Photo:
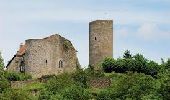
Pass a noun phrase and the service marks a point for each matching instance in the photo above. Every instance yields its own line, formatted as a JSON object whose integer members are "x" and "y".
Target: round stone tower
{"x": 100, "y": 41}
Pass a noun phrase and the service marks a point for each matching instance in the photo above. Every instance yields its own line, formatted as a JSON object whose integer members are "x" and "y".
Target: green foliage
{"x": 105, "y": 95}
{"x": 4, "y": 83}
{"x": 131, "y": 86}
{"x": 127, "y": 54}
{"x": 167, "y": 65}
{"x": 132, "y": 78}
{"x": 136, "y": 86}
{"x": 108, "y": 64}
{"x": 91, "y": 73}
{"x": 80, "y": 78}
{"x": 76, "y": 93}
{"x": 14, "y": 76}
{"x": 136, "y": 64}
{"x": 47, "y": 95}
{"x": 140, "y": 62}
{"x": 1, "y": 62}
{"x": 11, "y": 94}
{"x": 165, "y": 89}
{"x": 58, "y": 83}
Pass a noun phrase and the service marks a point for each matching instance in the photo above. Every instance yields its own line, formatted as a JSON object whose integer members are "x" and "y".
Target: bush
{"x": 14, "y": 76}
{"x": 136, "y": 86}
{"x": 105, "y": 95}
{"x": 4, "y": 83}
{"x": 108, "y": 65}
{"x": 165, "y": 89}
{"x": 11, "y": 94}
{"x": 80, "y": 78}
{"x": 1, "y": 62}
{"x": 136, "y": 64}
{"x": 58, "y": 83}
{"x": 91, "y": 73}
{"x": 76, "y": 93}
{"x": 47, "y": 95}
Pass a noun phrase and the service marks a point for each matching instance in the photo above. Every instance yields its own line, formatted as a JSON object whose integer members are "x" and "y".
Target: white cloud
{"x": 123, "y": 32}
{"x": 151, "y": 31}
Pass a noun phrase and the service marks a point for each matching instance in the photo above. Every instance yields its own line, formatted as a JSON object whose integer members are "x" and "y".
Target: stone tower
{"x": 100, "y": 41}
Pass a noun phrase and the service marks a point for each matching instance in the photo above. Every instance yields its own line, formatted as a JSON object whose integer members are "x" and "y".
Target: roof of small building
{"x": 21, "y": 50}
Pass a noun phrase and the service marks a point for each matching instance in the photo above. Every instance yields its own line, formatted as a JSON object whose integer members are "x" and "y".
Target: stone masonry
{"x": 55, "y": 54}
{"x": 100, "y": 41}
{"x": 51, "y": 55}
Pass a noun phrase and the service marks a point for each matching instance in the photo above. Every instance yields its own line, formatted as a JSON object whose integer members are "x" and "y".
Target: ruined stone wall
{"x": 42, "y": 56}
{"x": 51, "y": 55}
{"x": 100, "y": 41}
{"x": 100, "y": 82}
{"x": 38, "y": 57}
{"x": 15, "y": 64}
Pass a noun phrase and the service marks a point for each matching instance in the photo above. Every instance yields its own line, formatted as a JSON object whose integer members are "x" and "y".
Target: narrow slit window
{"x": 60, "y": 64}
{"x": 22, "y": 67}
{"x": 95, "y": 38}
{"x": 46, "y": 61}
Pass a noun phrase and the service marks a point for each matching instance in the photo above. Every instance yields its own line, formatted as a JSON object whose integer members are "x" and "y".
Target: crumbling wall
{"x": 51, "y": 55}
{"x": 38, "y": 57}
{"x": 100, "y": 82}
{"x": 15, "y": 64}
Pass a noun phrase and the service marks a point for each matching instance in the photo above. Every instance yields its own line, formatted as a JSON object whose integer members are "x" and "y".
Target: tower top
{"x": 101, "y": 21}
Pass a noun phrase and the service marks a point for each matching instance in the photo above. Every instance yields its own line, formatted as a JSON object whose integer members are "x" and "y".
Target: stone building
{"x": 100, "y": 41}
{"x": 51, "y": 55}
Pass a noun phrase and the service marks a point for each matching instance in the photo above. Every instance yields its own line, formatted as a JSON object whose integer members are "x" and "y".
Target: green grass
{"x": 34, "y": 85}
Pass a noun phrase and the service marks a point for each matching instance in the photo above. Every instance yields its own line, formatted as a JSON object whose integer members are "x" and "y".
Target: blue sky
{"x": 142, "y": 26}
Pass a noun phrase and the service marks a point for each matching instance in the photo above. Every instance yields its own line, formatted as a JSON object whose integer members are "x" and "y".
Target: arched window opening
{"x": 60, "y": 64}
{"x": 22, "y": 69}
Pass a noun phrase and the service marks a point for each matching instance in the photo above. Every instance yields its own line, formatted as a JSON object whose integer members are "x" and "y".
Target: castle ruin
{"x": 51, "y": 55}
{"x": 56, "y": 55}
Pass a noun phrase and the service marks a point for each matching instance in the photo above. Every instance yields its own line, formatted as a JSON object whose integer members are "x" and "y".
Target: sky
{"x": 141, "y": 26}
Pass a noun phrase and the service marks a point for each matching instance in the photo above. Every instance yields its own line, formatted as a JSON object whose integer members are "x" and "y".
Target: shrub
{"x": 14, "y": 76}
{"x": 76, "y": 93}
{"x": 165, "y": 89}
{"x": 4, "y": 84}
{"x": 58, "y": 83}
{"x": 1, "y": 62}
{"x": 11, "y": 94}
{"x": 91, "y": 73}
{"x": 104, "y": 95}
{"x": 108, "y": 65}
{"x": 80, "y": 78}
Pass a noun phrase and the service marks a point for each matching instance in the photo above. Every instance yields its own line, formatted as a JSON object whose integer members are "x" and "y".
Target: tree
{"x": 108, "y": 65}
{"x": 167, "y": 66}
{"x": 127, "y": 54}
{"x": 152, "y": 68}
{"x": 141, "y": 62}
{"x": 165, "y": 90}
{"x": 1, "y": 62}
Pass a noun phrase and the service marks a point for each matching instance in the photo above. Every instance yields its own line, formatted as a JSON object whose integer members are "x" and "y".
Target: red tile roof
{"x": 21, "y": 50}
